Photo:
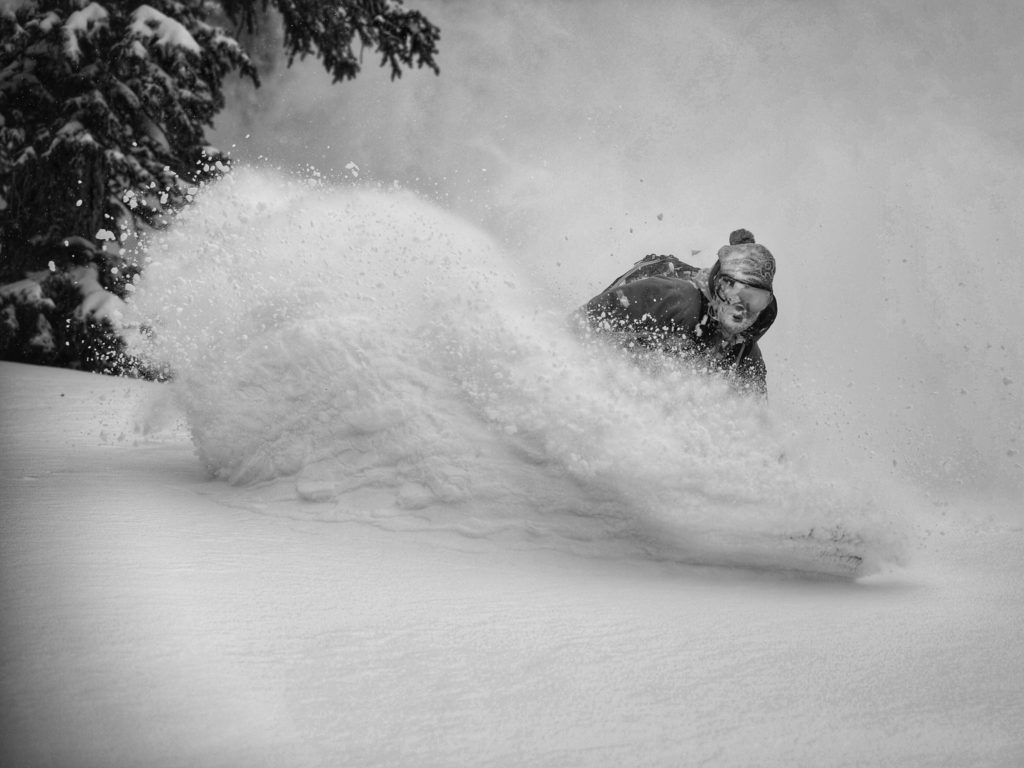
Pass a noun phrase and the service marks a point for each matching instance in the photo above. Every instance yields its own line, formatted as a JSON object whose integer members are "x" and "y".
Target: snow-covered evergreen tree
{"x": 104, "y": 111}
{"x": 104, "y": 106}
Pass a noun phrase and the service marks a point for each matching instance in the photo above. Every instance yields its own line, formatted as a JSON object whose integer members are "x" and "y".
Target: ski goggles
{"x": 732, "y": 291}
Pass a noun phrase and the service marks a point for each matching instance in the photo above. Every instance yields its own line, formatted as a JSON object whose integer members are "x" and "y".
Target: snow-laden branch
{"x": 149, "y": 22}
{"x": 83, "y": 23}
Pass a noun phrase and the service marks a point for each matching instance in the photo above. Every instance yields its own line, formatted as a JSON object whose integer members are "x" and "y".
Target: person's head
{"x": 742, "y": 286}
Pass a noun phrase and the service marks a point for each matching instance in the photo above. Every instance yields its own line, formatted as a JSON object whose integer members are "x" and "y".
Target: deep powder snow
{"x": 344, "y": 343}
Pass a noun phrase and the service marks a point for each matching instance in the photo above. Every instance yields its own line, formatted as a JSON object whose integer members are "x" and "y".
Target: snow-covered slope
{"x": 149, "y": 620}
{"x": 391, "y": 513}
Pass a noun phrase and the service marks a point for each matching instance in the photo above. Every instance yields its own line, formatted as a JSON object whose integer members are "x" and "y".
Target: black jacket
{"x": 673, "y": 314}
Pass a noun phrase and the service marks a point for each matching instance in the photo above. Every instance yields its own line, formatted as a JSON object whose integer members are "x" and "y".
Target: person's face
{"x": 737, "y": 305}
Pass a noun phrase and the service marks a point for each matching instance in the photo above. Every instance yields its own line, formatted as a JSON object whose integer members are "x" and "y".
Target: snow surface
{"x": 152, "y": 617}
{"x": 444, "y": 541}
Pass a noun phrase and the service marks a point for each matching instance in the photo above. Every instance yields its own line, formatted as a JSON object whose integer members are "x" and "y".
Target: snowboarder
{"x": 713, "y": 316}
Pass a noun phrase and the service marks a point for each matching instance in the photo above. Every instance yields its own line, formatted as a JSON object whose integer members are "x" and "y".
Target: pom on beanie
{"x": 746, "y": 261}
{"x": 739, "y": 236}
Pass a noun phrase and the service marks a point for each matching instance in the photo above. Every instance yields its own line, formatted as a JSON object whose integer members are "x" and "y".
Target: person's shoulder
{"x": 671, "y": 299}
{"x": 674, "y": 290}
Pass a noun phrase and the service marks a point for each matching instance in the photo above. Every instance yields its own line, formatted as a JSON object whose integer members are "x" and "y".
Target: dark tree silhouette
{"x": 103, "y": 112}
{"x": 104, "y": 105}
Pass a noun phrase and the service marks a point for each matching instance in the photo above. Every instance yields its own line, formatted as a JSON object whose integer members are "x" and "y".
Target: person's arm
{"x": 752, "y": 372}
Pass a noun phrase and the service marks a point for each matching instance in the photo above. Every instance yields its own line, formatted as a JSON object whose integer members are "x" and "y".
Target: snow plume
{"x": 886, "y": 183}
{"x": 367, "y": 351}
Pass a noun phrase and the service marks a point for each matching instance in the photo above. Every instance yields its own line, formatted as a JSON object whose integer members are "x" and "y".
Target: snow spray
{"x": 886, "y": 183}
{"x": 346, "y": 353}
{"x": 440, "y": 395}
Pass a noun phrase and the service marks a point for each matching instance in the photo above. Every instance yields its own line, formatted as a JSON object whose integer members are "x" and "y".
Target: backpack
{"x": 654, "y": 265}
